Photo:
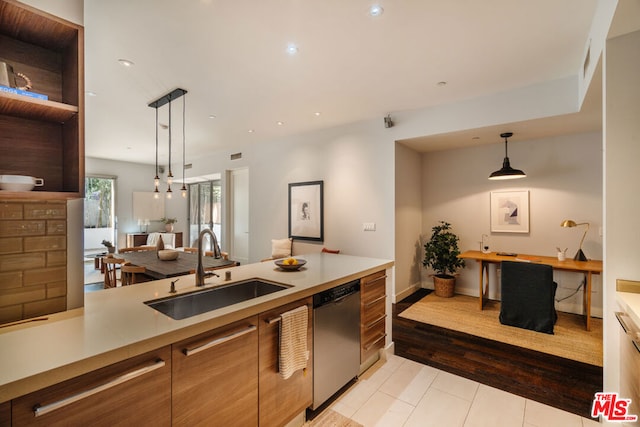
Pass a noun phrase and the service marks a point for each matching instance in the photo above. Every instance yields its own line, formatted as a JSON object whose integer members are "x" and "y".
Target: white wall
{"x": 130, "y": 177}
{"x": 622, "y": 174}
{"x": 408, "y": 221}
{"x": 564, "y": 180}
{"x": 356, "y": 164}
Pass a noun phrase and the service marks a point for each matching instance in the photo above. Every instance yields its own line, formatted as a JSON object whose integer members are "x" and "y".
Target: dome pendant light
{"x": 507, "y": 172}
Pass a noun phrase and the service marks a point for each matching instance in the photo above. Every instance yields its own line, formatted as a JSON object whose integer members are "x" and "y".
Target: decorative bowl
{"x": 283, "y": 264}
{"x": 168, "y": 254}
{"x": 19, "y": 182}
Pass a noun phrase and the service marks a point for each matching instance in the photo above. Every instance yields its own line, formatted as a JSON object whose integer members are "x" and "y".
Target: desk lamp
{"x": 570, "y": 223}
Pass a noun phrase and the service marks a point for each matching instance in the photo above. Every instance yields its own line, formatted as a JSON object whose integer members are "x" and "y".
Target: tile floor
{"x": 401, "y": 392}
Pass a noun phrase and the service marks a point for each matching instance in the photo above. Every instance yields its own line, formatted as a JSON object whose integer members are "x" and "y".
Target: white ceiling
{"x": 231, "y": 56}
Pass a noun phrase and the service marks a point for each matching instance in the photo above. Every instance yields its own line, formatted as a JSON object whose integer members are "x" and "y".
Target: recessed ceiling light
{"x": 89, "y": 93}
{"x": 126, "y": 62}
{"x": 251, "y": 131}
{"x": 212, "y": 116}
{"x": 317, "y": 113}
{"x": 376, "y": 10}
{"x": 279, "y": 123}
{"x": 292, "y": 49}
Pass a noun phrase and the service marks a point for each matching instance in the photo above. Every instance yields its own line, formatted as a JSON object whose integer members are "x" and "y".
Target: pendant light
{"x": 507, "y": 172}
{"x": 183, "y": 190}
{"x": 156, "y": 180}
{"x": 168, "y": 99}
{"x": 169, "y": 175}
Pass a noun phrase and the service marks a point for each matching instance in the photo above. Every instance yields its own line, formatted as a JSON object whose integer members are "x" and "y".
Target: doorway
{"x": 239, "y": 215}
{"x": 99, "y": 223}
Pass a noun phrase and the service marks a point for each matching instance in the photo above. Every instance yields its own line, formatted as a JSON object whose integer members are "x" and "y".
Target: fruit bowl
{"x": 168, "y": 254}
{"x": 288, "y": 265}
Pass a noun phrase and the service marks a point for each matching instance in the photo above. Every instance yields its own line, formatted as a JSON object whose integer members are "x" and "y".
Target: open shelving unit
{"x": 43, "y": 138}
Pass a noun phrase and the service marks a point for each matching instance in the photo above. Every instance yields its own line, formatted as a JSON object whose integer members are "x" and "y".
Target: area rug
{"x": 331, "y": 418}
{"x": 460, "y": 313}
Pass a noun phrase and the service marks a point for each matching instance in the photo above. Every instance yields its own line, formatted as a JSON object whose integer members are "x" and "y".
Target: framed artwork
{"x": 306, "y": 211}
{"x": 146, "y": 207}
{"x": 510, "y": 211}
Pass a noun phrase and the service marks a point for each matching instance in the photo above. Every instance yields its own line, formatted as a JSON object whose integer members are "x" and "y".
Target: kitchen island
{"x": 116, "y": 325}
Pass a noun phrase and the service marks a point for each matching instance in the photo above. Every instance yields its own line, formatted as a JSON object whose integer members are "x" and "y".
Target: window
{"x": 205, "y": 211}
{"x": 99, "y": 208}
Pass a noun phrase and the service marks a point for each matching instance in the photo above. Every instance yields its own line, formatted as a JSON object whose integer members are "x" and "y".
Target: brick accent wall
{"x": 33, "y": 258}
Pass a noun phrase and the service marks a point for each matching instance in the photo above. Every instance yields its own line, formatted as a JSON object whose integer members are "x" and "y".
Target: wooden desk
{"x": 587, "y": 267}
{"x": 186, "y": 262}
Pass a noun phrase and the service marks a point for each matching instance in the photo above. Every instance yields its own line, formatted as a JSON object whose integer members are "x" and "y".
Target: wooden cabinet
{"x": 136, "y": 391}
{"x": 215, "y": 377}
{"x": 140, "y": 239}
{"x": 372, "y": 315}
{"x": 5, "y": 414}
{"x": 43, "y": 138}
{"x": 281, "y": 400}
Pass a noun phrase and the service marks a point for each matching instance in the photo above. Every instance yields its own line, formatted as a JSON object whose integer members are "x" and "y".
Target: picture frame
{"x": 510, "y": 211}
{"x": 306, "y": 211}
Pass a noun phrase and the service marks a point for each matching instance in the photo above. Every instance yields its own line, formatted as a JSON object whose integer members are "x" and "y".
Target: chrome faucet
{"x": 200, "y": 273}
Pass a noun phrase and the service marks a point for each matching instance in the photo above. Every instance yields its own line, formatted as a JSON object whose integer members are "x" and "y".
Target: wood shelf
{"x": 35, "y": 109}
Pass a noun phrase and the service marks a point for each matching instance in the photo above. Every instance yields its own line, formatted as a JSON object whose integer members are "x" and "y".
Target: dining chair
{"x": 225, "y": 255}
{"x": 131, "y": 274}
{"x": 111, "y": 267}
{"x": 528, "y": 296}
{"x": 136, "y": 249}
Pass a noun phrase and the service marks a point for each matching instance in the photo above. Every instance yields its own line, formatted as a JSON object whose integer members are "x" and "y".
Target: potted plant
{"x": 110, "y": 248}
{"x": 441, "y": 254}
{"x": 168, "y": 223}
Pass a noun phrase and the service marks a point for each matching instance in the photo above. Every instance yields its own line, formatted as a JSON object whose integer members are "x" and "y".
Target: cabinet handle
{"x": 39, "y": 410}
{"x": 375, "y": 280}
{"x": 374, "y": 342}
{"x": 369, "y": 304}
{"x": 276, "y": 319}
{"x": 619, "y": 316}
{"x": 218, "y": 341}
{"x": 375, "y": 321}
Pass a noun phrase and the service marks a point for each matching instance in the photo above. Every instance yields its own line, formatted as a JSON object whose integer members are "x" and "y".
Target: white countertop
{"x": 115, "y": 324}
{"x": 630, "y": 304}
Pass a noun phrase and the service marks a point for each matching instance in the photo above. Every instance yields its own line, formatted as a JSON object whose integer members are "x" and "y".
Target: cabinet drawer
{"x": 372, "y": 312}
{"x": 136, "y": 391}
{"x": 373, "y": 339}
{"x": 372, "y": 287}
{"x": 215, "y": 377}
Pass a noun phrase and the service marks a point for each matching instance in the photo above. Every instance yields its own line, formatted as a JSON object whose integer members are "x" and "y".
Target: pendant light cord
{"x": 184, "y": 138}
{"x": 170, "y": 174}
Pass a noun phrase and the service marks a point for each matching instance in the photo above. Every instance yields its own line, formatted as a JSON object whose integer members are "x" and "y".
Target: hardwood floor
{"x": 552, "y": 380}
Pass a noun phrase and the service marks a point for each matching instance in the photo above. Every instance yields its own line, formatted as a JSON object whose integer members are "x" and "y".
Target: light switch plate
{"x": 369, "y": 226}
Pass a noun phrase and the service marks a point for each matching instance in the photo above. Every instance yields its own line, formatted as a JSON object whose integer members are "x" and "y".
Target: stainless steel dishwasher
{"x": 336, "y": 340}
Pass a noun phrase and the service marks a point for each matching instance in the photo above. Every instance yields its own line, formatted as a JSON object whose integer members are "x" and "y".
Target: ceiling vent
{"x": 236, "y": 156}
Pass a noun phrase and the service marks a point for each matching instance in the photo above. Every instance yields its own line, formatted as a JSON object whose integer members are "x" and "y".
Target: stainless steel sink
{"x": 198, "y": 302}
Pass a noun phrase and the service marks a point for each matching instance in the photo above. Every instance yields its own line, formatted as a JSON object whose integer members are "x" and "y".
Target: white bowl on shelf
{"x": 19, "y": 182}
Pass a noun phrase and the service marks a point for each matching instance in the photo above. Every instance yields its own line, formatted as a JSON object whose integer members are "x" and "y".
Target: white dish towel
{"x": 293, "y": 341}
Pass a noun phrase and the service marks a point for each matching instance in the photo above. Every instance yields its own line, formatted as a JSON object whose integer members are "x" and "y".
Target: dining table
{"x": 186, "y": 263}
